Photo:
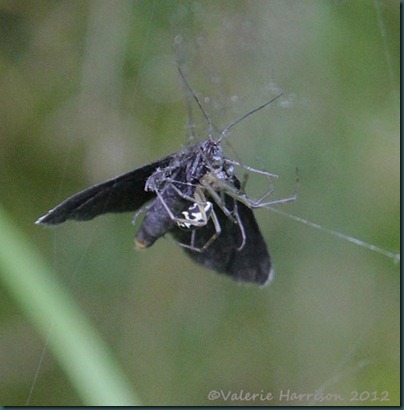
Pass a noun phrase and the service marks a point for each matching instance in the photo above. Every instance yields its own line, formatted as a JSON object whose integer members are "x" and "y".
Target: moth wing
{"x": 250, "y": 264}
{"x": 124, "y": 193}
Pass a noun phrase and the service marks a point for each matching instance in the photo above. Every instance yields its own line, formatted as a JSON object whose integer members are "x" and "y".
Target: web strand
{"x": 373, "y": 248}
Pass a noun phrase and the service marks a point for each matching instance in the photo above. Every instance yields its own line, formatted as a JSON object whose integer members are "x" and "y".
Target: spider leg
{"x": 239, "y": 194}
{"x": 181, "y": 194}
{"x": 248, "y": 168}
{"x": 218, "y": 199}
{"x": 217, "y": 232}
{"x": 201, "y": 202}
{"x": 241, "y": 226}
{"x": 244, "y": 182}
{"x": 260, "y": 204}
{"x": 172, "y": 216}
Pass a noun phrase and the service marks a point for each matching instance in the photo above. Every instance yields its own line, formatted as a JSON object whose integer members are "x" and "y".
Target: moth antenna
{"x": 211, "y": 127}
{"x": 226, "y": 130}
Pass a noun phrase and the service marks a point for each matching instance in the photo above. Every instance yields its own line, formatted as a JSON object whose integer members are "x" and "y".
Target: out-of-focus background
{"x": 90, "y": 89}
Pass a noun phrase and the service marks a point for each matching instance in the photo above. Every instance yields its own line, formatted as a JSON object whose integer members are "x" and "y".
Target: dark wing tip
{"x": 40, "y": 220}
{"x": 260, "y": 274}
{"x": 269, "y": 278}
{"x": 50, "y": 218}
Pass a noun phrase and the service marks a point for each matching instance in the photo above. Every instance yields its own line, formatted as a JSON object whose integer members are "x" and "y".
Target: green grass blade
{"x": 74, "y": 342}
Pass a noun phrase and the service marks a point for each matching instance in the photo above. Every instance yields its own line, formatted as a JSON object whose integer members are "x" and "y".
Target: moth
{"x": 195, "y": 196}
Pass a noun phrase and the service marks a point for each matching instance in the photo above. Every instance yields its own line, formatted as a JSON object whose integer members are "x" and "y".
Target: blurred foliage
{"x": 90, "y": 89}
{"x": 76, "y": 345}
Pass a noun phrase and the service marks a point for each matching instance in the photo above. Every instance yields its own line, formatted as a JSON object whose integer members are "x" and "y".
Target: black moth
{"x": 192, "y": 194}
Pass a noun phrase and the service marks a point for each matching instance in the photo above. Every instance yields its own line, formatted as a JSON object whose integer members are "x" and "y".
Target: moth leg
{"x": 140, "y": 211}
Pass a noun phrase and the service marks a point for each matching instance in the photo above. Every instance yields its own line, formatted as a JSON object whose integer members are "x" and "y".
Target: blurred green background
{"x": 89, "y": 90}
